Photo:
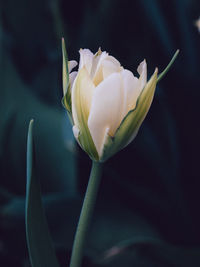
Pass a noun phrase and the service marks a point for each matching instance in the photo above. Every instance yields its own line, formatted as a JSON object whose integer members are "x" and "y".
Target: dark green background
{"x": 147, "y": 212}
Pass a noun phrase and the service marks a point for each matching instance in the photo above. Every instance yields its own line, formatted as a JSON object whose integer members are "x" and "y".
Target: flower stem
{"x": 86, "y": 214}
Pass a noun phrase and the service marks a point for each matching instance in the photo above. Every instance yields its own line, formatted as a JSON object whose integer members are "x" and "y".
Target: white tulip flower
{"x": 106, "y": 103}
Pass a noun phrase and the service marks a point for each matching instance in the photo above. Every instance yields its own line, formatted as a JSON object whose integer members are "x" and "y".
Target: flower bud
{"x": 106, "y": 103}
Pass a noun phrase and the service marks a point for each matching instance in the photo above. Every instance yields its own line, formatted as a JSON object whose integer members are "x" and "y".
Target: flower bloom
{"x": 197, "y": 24}
{"x": 106, "y": 103}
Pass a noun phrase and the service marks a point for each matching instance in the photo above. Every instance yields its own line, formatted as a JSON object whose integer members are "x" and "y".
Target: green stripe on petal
{"x": 81, "y": 101}
{"x": 163, "y": 73}
{"x": 131, "y": 123}
{"x": 66, "y": 100}
{"x": 66, "y": 86}
{"x": 65, "y": 68}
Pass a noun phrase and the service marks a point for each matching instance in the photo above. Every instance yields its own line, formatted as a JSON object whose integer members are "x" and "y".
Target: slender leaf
{"x": 163, "y": 73}
{"x": 40, "y": 247}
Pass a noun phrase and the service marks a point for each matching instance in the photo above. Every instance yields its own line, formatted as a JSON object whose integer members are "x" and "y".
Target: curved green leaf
{"x": 40, "y": 247}
{"x": 65, "y": 68}
{"x": 163, "y": 73}
{"x": 66, "y": 85}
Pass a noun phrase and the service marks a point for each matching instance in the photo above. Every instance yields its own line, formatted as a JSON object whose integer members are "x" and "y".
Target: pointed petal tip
{"x": 85, "y": 50}
{"x": 144, "y": 61}
{"x": 99, "y": 52}
{"x": 142, "y": 66}
{"x": 162, "y": 74}
{"x": 63, "y": 42}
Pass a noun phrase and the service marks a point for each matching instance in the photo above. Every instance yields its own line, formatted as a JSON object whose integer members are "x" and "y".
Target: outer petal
{"x": 72, "y": 64}
{"x": 106, "y": 110}
{"x": 67, "y": 97}
{"x": 131, "y": 123}
{"x": 86, "y": 59}
{"x": 132, "y": 90}
{"x": 82, "y": 91}
{"x": 72, "y": 77}
{"x": 76, "y": 131}
{"x": 142, "y": 70}
{"x": 65, "y": 71}
{"x": 67, "y": 79}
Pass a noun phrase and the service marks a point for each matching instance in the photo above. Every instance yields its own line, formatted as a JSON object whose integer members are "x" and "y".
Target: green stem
{"x": 86, "y": 213}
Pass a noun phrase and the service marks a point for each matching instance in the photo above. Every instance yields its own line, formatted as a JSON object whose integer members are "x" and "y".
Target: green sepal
{"x": 66, "y": 85}
{"x": 66, "y": 101}
{"x": 131, "y": 123}
{"x": 84, "y": 137}
{"x": 87, "y": 144}
{"x": 40, "y": 247}
{"x": 163, "y": 73}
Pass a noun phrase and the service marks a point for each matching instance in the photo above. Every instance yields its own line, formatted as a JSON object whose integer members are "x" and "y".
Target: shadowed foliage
{"x": 147, "y": 211}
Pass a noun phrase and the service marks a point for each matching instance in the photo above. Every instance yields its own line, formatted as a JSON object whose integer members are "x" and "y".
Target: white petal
{"x": 97, "y": 61}
{"x": 142, "y": 70}
{"x": 86, "y": 59}
{"x": 110, "y": 66}
{"x": 105, "y": 67}
{"x": 82, "y": 91}
{"x": 75, "y": 131}
{"x": 132, "y": 90}
{"x": 114, "y": 61}
{"x": 106, "y": 110}
{"x": 72, "y": 64}
{"x": 72, "y": 77}
{"x": 97, "y": 73}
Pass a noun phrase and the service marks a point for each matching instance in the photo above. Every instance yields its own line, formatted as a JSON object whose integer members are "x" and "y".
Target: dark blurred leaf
{"x": 150, "y": 252}
{"x": 156, "y": 178}
{"x": 40, "y": 247}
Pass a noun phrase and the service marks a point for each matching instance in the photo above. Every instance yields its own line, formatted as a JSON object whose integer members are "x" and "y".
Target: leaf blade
{"x": 40, "y": 247}
{"x": 163, "y": 73}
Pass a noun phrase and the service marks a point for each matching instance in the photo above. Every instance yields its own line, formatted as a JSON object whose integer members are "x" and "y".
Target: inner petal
{"x": 132, "y": 89}
{"x": 109, "y": 67}
{"x": 72, "y": 77}
{"x": 106, "y": 110}
{"x": 97, "y": 74}
{"x": 72, "y": 64}
{"x": 142, "y": 70}
{"x": 86, "y": 59}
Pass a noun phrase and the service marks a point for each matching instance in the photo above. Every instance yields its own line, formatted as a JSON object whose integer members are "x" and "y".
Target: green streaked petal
{"x": 131, "y": 123}
{"x": 66, "y": 86}
{"x": 66, "y": 100}
{"x": 163, "y": 73}
{"x": 65, "y": 68}
{"x": 81, "y": 101}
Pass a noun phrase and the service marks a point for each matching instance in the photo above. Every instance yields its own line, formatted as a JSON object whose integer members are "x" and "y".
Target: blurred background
{"x": 147, "y": 212}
